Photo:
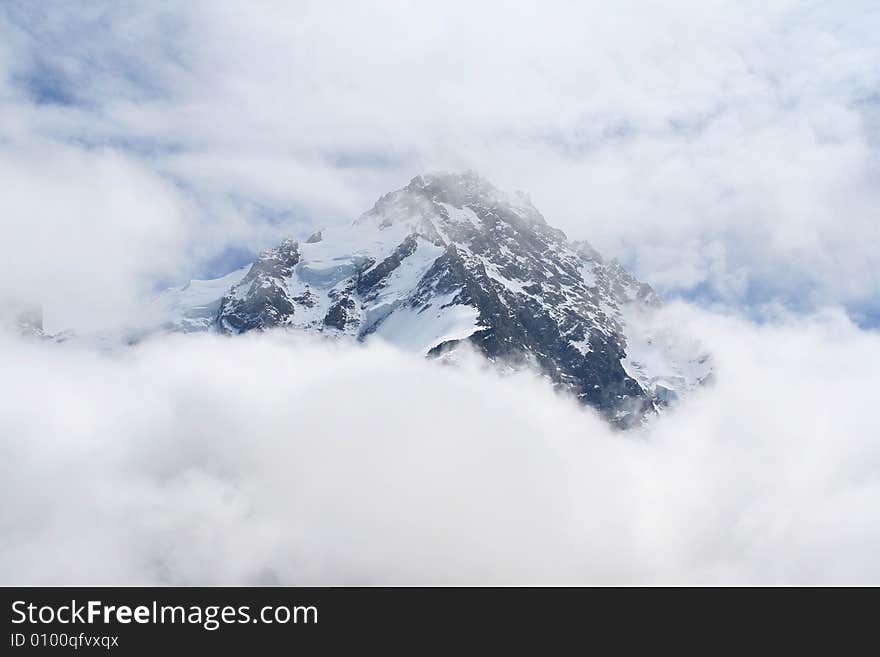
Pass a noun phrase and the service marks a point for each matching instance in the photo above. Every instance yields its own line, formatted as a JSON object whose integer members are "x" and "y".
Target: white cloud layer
{"x": 270, "y": 459}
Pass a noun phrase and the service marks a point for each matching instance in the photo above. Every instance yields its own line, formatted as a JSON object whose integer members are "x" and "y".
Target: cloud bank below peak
{"x": 203, "y": 460}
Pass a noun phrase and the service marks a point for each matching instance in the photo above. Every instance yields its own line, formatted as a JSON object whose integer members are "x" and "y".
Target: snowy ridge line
{"x": 448, "y": 259}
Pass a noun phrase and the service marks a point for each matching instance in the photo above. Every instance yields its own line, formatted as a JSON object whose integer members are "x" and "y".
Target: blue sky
{"x": 727, "y": 152}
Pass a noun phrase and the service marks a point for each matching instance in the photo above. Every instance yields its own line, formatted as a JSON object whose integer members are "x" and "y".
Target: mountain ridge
{"x": 449, "y": 259}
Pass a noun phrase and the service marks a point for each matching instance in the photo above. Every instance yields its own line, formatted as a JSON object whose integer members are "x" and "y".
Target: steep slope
{"x": 448, "y": 259}
{"x": 194, "y": 306}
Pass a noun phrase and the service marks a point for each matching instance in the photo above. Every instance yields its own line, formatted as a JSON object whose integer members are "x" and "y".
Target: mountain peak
{"x": 450, "y": 259}
{"x": 432, "y": 204}
{"x": 464, "y": 188}
{"x": 466, "y": 185}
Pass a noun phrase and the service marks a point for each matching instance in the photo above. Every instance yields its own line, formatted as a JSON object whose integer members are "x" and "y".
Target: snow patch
{"x": 421, "y": 329}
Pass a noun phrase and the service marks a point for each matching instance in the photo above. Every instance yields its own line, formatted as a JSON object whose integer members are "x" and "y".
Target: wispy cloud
{"x": 726, "y": 151}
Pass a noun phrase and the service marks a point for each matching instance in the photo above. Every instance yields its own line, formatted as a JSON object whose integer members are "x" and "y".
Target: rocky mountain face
{"x": 449, "y": 260}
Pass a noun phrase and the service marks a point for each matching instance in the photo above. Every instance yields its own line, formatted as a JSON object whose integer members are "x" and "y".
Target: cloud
{"x": 728, "y": 152}
{"x": 275, "y": 459}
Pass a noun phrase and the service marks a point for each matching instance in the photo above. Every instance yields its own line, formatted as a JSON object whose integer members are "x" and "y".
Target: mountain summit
{"x": 450, "y": 259}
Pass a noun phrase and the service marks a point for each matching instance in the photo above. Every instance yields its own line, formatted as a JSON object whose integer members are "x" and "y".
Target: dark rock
{"x": 538, "y": 297}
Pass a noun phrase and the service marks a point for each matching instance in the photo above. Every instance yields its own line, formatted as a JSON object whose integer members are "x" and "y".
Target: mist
{"x": 278, "y": 459}
{"x": 723, "y": 151}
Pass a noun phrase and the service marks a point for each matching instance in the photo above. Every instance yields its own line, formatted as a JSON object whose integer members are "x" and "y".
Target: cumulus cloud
{"x": 90, "y": 234}
{"x": 274, "y": 459}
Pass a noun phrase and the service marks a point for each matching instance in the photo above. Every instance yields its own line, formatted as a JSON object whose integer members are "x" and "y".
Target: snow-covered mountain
{"x": 450, "y": 259}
